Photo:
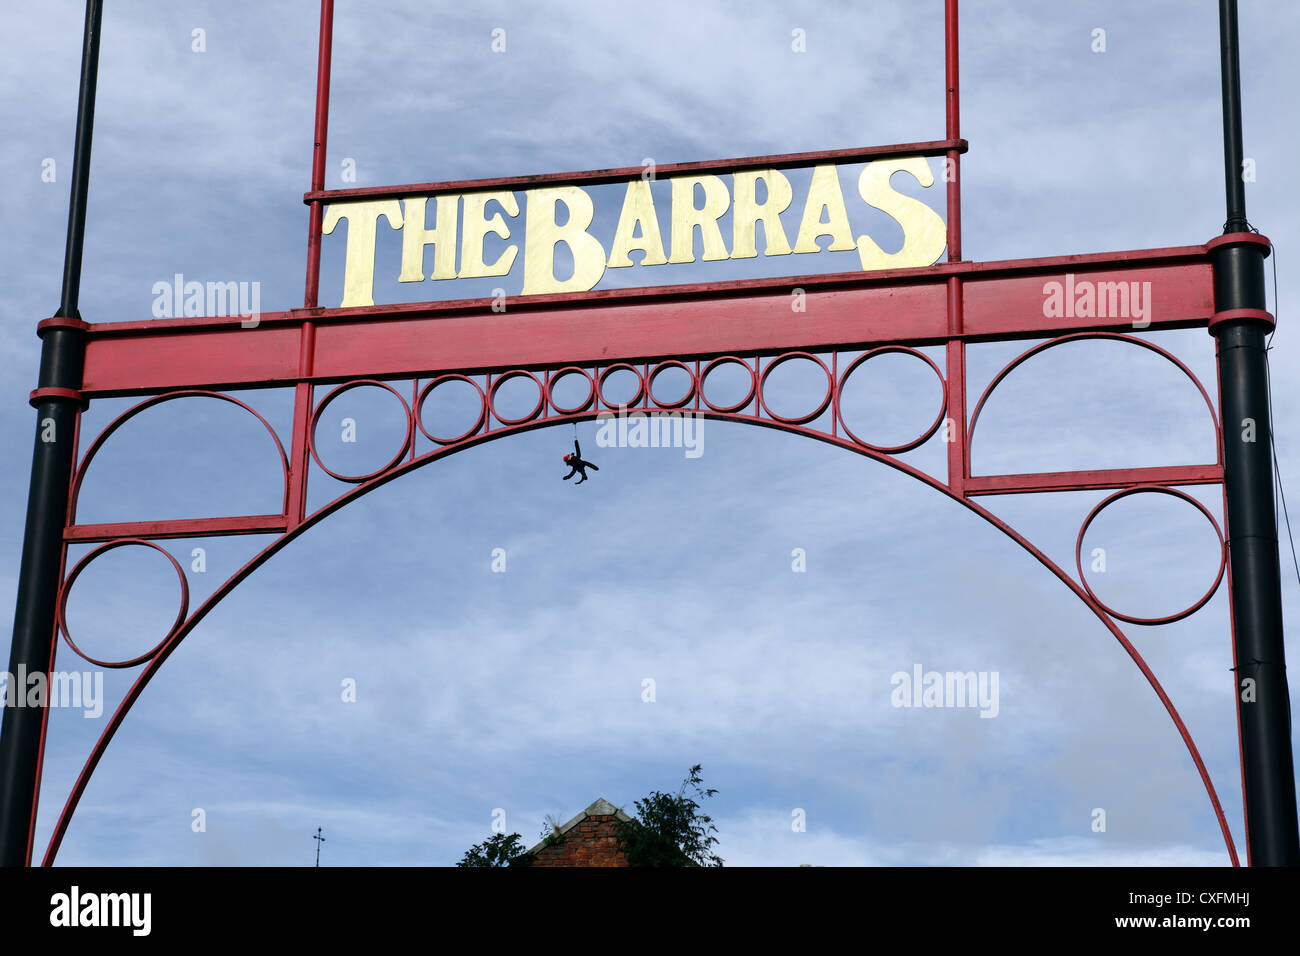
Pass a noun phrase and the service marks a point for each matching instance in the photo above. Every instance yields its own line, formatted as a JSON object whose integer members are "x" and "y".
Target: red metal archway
{"x": 546, "y": 340}
{"x": 848, "y": 318}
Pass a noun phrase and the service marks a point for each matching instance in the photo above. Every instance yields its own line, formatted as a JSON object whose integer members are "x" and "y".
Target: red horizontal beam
{"x": 597, "y": 176}
{"x": 1044, "y": 267}
{"x": 1002, "y": 300}
{"x": 1101, "y": 478}
{"x": 179, "y": 528}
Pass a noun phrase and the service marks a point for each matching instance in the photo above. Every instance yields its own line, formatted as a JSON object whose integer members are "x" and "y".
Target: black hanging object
{"x": 576, "y": 465}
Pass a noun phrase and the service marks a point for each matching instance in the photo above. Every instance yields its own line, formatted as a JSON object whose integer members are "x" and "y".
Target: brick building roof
{"x": 589, "y": 839}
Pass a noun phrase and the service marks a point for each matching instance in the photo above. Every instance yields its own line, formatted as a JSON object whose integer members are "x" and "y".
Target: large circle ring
{"x": 1160, "y": 490}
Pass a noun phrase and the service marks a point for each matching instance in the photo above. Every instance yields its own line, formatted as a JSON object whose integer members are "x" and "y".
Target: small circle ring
{"x": 428, "y": 390}
{"x": 664, "y": 367}
{"x": 61, "y": 611}
{"x": 797, "y": 419}
{"x": 619, "y": 366}
{"x": 925, "y": 435}
{"x": 320, "y": 409}
{"x": 581, "y": 406}
{"x": 749, "y": 395}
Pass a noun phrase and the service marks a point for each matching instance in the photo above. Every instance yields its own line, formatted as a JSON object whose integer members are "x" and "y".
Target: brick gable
{"x": 589, "y": 839}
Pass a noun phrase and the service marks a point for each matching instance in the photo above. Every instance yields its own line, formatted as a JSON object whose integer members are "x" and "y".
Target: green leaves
{"x": 498, "y": 850}
{"x": 670, "y": 830}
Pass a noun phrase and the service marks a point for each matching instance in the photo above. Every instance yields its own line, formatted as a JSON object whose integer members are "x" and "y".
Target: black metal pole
{"x": 1234, "y": 185}
{"x": 56, "y": 400}
{"x": 1263, "y": 702}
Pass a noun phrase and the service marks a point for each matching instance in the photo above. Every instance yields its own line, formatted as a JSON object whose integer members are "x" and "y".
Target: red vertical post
{"x": 954, "y": 430}
{"x": 958, "y": 448}
{"x": 316, "y": 208}
{"x": 302, "y": 400}
{"x": 300, "y": 452}
{"x": 952, "y": 162}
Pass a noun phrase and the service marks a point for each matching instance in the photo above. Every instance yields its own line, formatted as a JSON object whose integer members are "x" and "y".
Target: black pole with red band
{"x": 57, "y": 399}
{"x": 1240, "y": 324}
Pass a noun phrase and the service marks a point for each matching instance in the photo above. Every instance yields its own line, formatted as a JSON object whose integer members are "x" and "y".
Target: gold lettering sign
{"x": 697, "y": 205}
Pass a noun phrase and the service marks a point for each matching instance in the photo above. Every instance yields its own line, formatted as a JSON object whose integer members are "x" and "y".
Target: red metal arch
{"x": 169, "y": 644}
{"x": 951, "y": 304}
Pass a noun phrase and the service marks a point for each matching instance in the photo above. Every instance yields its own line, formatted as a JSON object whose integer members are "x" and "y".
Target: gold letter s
{"x": 924, "y": 233}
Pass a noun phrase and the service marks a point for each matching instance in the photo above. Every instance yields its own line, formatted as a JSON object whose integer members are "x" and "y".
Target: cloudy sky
{"x": 522, "y": 691}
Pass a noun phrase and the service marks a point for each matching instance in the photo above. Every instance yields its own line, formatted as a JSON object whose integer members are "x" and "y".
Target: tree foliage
{"x": 670, "y": 829}
{"x": 499, "y": 849}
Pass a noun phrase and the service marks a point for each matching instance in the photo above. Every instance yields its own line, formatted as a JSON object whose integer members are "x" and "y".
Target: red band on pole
{"x": 41, "y": 395}
{"x": 1231, "y": 315}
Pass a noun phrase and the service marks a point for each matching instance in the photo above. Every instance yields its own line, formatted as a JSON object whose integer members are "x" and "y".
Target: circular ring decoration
{"x": 640, "y": 386}
{"x": 559, "y": 374}
{"x": 130, "y": 413}
{"x": 61, "y": 610}
{"x": 1162, "y": 490}
{"x": 1080, "y": 337}
{"x": 320, "y": 409}
{"x": 925, "y": 435}
{"x": 528, "y": 416}
{"x": 428, "y": 390}
{"x": 664, "y": 367}
{"x": 799, "y": 419}
{"x": 749, "y": 396}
